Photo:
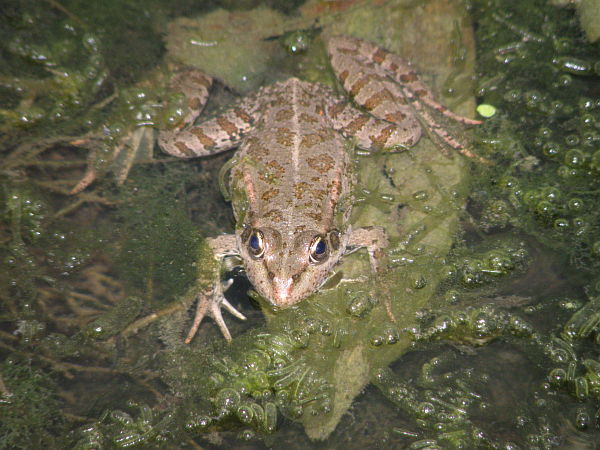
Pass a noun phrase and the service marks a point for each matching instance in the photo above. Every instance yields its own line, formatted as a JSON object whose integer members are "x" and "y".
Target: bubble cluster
{"x": 475, "y": 326}
{"x": 479, "y": 268}
{"x": 546, "y": 133}
{"x": 65, "y": 76}
{"x": 268, "y": 379}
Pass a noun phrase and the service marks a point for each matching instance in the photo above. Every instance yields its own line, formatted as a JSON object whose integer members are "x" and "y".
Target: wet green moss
{"x": 155, "y": 227}
{"x": 29, "y": 407}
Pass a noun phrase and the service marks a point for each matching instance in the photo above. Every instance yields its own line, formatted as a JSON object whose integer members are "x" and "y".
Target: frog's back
{"x": 294, "y": 166}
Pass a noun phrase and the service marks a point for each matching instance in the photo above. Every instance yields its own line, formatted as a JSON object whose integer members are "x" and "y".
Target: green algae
{"x": 29, "y": 403}
{"x": 241, "y": 35}
{"x": 156, "y": 227}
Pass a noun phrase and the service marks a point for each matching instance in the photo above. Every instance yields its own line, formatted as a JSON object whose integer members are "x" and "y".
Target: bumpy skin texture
{"x": 291, "y": 178}
{"x": 293, "y": 168}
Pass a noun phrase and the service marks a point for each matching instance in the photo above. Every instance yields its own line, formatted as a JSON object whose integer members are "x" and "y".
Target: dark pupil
{"x": 320, "y": 247}
{"x": 254, "y": 242}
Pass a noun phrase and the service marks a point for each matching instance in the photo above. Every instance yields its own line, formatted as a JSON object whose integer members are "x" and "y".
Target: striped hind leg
{"x": 394, "y": 67}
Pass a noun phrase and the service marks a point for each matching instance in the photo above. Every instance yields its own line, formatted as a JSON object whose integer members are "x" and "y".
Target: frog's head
{"x": 287, "y": 269}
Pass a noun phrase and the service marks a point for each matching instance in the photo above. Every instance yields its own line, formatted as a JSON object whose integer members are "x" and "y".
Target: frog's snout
{"x": 282, "y": 291}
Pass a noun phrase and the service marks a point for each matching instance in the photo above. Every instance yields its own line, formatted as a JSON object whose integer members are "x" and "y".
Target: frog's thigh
{"x": 374, "y": 239}
{"x": 212, "y": 136}
{"x": 194, "y": 85}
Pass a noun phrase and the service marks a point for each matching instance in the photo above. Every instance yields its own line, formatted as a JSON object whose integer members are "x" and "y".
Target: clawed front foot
{"x": 210, "y": 303}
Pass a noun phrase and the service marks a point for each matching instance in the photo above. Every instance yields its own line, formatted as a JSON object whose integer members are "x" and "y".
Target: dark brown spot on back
{"x": 299, "y": 189}
{"x": 316, "y": 216}
{"x": 275, "y": 215}
{"x": 312, "y": 139}
{"x": 269, "y": 194}
{"x": 284, "y": 136}
{"x": 255, "y": 148}
{"x": 319, "y": 193}
{"x": 321, "y": 163}
{"x": 284, "y": 114}
{"x": 275, "y": 166}
{"x": 307, "y": 118}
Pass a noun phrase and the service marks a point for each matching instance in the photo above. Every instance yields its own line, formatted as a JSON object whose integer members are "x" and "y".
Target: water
{"x": 495, "y": 343}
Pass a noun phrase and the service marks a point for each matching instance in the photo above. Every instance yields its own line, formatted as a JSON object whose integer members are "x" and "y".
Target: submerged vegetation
{"x": 546, "y": 134}
{"x": 496, "y": 323}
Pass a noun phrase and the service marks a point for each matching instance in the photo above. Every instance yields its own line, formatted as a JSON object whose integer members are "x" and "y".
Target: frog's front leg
{"x": 209, "y": 285}
{"x": 374, "y": 239}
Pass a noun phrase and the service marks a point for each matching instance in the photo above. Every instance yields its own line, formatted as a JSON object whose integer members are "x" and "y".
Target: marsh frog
{"x": 291, "y": 178}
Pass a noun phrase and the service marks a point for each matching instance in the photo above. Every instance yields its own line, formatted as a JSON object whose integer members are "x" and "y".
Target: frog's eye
{"x": 256, "y": 244}
{"x": 318, "y": 250}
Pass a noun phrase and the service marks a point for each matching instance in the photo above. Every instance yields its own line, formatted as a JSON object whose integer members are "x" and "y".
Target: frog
{"x": 291, "y": 178}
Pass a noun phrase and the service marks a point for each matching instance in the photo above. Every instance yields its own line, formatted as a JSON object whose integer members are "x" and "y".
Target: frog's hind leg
{"x": 343, "y": 48}
{"x": 389, "y": 89}
{"x": 390, "y": 123}
{"x": 194, "y": 85}
{"x": 435, "y": 129}
{"x": 371, "y": 132}
{"x": 414, "y": 89}
{"x": 186, "y": 140}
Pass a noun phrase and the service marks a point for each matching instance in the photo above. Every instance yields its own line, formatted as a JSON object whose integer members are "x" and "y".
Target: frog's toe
{"x": 215, "y": 313}
{"x": 211, "y": 306}
{"x": 232, "y": 310}
{"x": 87, "y": 179}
